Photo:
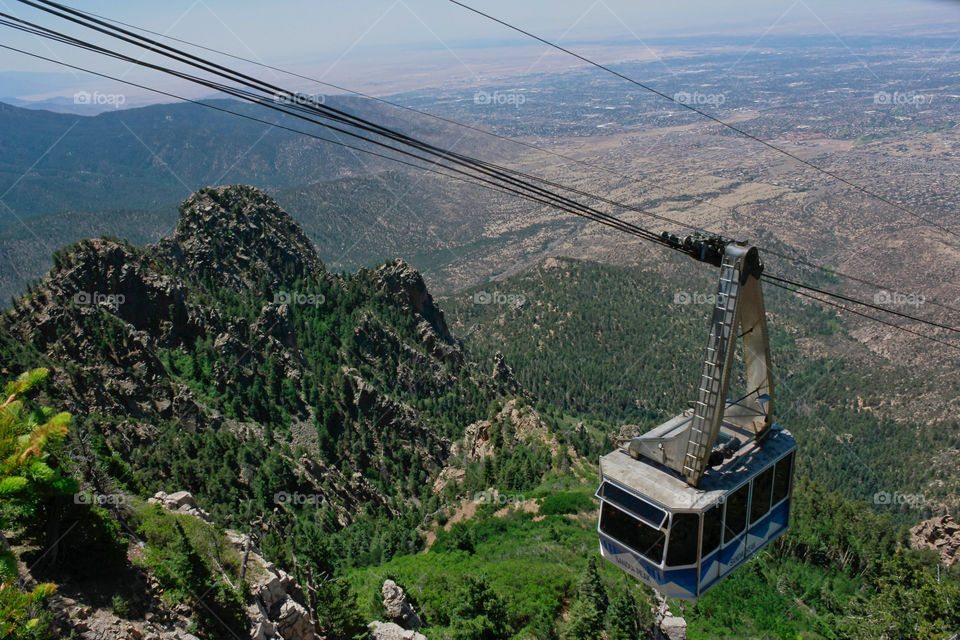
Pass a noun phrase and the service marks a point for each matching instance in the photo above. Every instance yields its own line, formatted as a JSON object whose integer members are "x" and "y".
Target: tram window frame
{"x": 733, "y": 501}
{"x": 683, "y": 552}
{"x": 762, "y": 488}
{"x": 784, "y": 471}
{"x": 656, "y": 541}
{"x": 635, "y": 505}
{"x": 712, "y": 530}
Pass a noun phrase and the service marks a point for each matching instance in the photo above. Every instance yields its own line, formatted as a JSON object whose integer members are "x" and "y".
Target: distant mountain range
{"x": 66, "y": 177}
{"x": 76, "y": 105}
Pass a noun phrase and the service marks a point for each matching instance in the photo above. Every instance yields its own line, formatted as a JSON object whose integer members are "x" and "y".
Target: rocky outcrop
{"x": 198, "y": 339}
{"x": 446, "y": 476}
{"x": 673, "y": 628}
{"x": 121, "y": 324}
{"x": 390, "y": 631}
{"x": 240, "y": 236}
{"x": 388, "y": 416}
{"x": 345, "y": 494}
{"x": 628, "y": 431}
{"x": 516, "y": 422}
{"x": 293, "y": 621}
{"x": 180, "y": 502}
{"x": 942, "y": 535}
{"x": 276, "y": 614}
{"x": 398, "y": 606}
{"x": 276, "y": 321}
{"x": 404, "y": 286}
{"x": 83, "y": 622}
{"x": 103, "y": 292}
{"x": 476, "y": 443}
{"x": 503, "y": 374}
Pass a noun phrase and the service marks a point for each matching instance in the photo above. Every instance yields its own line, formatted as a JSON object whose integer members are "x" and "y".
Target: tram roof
{"x": 669, "y": 490}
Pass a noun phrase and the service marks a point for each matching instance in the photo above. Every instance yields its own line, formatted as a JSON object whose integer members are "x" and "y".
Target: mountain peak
{"x": 237, "y": 233}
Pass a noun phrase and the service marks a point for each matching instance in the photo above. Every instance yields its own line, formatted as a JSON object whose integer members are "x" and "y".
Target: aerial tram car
{"x": 685, "y": 504}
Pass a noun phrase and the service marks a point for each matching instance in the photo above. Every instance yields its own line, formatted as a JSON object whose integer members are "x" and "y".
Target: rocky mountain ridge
{"x": 235, "y": 279}
{"x": 228, "y": 365}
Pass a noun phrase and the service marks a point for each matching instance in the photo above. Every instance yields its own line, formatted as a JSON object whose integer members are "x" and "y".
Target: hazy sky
{"x": 354, "y": 40}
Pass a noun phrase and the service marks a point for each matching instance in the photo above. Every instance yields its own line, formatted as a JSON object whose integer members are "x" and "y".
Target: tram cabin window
{"x": 712, "y": 529}
{"x": 736, "y": 513}
{"x": 760, "y": 502}
{"x": 684, "y": 535}
{"x": 631, "y": 503}
{"x": 781, "y": 478}
{"x": 634, "y": 533}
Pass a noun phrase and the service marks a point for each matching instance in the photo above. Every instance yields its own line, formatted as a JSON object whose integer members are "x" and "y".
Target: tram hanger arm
{"x": 687, "y": 443}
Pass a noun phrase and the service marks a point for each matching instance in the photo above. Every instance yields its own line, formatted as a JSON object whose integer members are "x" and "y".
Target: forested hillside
{"x": 351, "y": 432}
{"x": 616, "y": 345}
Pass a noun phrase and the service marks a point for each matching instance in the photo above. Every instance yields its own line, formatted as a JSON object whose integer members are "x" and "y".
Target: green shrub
{"x": 121, "y": 606}
{"x": 564, "y": 502}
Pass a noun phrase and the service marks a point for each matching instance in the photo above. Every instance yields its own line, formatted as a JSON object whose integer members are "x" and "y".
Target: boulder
{"x": 398, "y": 606}
{"x": 178, "y": 499}
{"x": 180, "y": 502}
{"x": 263, "y": 630}
{"x": 391, "y": 631}
{"x": 666, "y": 625}
{"x": 674, "y": 628}
{"x": 293, "y": 623}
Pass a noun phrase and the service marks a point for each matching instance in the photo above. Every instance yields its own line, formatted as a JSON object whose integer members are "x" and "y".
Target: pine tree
{"x": 337, "y": 611}
{"x": 591, "y": 588}
{"x": 480, "y": 613}
{"x": 543, "y": 628}
{"x": 585, "y": 623}
{"x": 188, "y": 567}
{"x": 622, "y": 620}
